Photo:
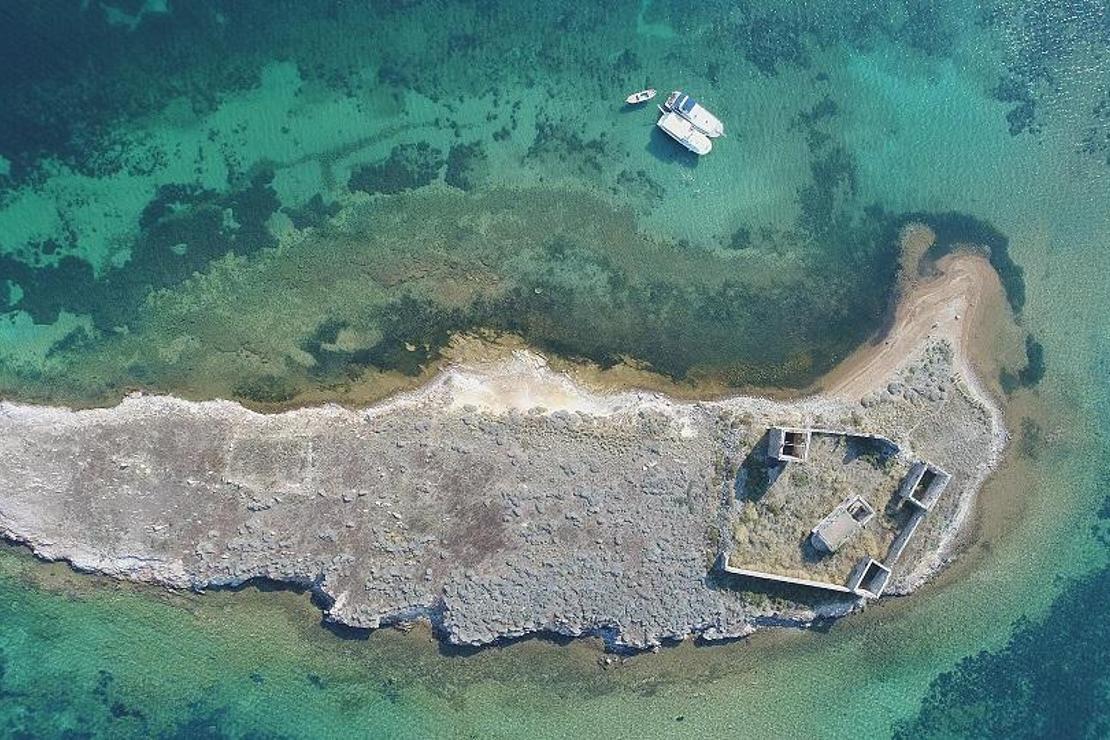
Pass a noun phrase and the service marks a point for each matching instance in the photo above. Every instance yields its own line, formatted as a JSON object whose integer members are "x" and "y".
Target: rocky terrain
{"x": 496, "y": 501}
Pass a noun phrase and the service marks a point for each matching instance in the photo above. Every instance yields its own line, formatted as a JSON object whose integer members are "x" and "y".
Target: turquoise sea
{"x": 294, "y": 202}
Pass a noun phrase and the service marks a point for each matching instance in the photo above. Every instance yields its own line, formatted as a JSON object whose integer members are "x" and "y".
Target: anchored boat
{"x": 685, "y": 106}
{"x": 682, "y": 131}
{"x": 640, "y": 97}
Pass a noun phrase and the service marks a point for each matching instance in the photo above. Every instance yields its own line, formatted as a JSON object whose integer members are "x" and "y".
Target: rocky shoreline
{"x": 496, "y": 501}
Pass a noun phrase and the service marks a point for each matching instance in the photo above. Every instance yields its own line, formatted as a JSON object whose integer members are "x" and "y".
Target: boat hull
{"x": 682, "y": 131}
{"x": 640, "y": 97}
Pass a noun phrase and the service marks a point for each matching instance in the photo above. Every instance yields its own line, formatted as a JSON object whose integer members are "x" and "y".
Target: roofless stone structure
{"x": 870, "y": 485}
{"x": 788, "y": 445}
{"x": 923, "y": 486}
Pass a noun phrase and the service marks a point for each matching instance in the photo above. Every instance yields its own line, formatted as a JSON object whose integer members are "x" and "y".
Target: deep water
{"x": 286, "y": 202}
{"x": 1048, "y": 681}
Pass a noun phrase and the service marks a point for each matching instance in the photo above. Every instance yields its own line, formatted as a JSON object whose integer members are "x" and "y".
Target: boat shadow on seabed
{"x": 665, "y": 149}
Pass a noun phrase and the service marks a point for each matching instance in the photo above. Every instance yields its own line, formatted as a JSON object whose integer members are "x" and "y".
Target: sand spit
{"x": 500, "y": 499}
{"x": 945, "y": 307}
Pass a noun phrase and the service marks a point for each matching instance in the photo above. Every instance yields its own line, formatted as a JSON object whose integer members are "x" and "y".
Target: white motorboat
{"x": 684, "y": 132}
{"x": 685, "y": 106}
{"x": 640, "y": 97}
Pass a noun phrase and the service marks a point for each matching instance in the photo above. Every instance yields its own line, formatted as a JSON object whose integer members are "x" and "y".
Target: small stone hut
{"x": 841, "y": 524}
{"x": 923, "y": 485}
{"x": 869, "y": 579}
{"x": 788, "y": 445}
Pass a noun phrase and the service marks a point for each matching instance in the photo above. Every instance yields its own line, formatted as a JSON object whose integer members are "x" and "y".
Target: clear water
{"x": 184, "y": 207}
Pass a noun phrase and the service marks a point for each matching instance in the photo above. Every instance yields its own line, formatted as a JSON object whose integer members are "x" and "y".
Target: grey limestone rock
{"x": 489, "y": 522}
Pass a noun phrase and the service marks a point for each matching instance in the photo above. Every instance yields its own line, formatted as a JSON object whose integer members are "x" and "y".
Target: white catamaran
{"x": 682, "y": 131}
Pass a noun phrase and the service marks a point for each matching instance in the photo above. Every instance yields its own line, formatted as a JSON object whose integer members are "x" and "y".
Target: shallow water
{"x": 277, "y": 201}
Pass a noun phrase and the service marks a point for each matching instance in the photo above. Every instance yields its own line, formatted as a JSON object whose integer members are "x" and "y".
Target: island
{"x": 506, "y": 497}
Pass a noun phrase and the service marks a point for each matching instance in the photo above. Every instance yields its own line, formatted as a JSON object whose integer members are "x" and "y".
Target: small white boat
{"x": 640, "y": 97}
{"x": 685, "y": 106}
{"x": 682, "y": 131}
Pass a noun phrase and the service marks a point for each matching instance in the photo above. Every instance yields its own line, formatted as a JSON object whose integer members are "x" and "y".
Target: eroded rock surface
{"x": 470, "y": 502}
